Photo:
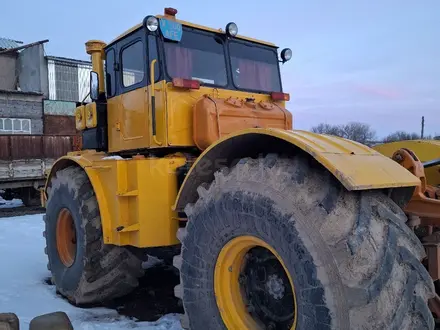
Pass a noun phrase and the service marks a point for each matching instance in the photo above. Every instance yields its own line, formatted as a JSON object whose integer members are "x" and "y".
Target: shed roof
{"x": 6, "y": 43}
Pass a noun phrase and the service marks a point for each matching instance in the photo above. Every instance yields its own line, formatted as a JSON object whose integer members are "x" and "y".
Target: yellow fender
{"x": 135, "y": 196}
{"x": 355, "y": 165}
{"x": 85, "y": 160}
{"x": 82, "y": 159}
{"x": 424, "y": 149}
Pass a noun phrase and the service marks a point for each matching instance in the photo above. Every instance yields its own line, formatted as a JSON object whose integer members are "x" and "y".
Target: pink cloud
{"x": 384, "y": 92}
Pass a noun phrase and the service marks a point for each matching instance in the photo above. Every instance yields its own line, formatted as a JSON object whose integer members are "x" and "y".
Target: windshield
{"x": 254, "y": 67}
{"x": 197, "y": 56}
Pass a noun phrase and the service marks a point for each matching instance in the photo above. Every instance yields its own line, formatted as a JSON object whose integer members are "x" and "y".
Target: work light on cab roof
{"x": 286, "y": 54}
{"x": 151, "y": 23}
{"x": 231, "y": 29}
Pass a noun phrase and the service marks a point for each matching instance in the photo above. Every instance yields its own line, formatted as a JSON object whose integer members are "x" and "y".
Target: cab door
{"x": 134, "y": 97}
{"x": 128, "y": 109}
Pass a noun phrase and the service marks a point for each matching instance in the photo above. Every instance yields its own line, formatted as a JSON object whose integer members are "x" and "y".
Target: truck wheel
{"x": 278, "y": 243}
{"x": 84, "y": 269}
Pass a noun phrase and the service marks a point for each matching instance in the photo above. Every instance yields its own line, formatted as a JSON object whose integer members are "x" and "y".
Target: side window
{"x": 15, "y": 126}
{"x": 133, "y": 64}
{"x": 152, "y": 54}
{"x": 110, "y": 77}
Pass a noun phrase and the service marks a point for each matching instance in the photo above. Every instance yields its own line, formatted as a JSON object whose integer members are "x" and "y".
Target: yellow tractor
{"x": 189, "y": 153}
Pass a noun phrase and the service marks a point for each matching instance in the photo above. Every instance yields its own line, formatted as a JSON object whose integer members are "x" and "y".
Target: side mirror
{"x": 94, "y": 85}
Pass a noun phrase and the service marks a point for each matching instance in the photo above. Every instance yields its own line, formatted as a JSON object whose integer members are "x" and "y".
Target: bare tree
{"x": 355, "y": 131}
{"x": 359, "y": 132}
{"x": 401, "y": 136}
{"x": 328, "y": 129}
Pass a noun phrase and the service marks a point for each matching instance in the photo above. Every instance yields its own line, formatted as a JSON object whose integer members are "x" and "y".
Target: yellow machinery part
{"x": 138, "y": 197}
{"x": 355, "y": 165}
{"x": 424, "y": 149}
{"x": 229, "y": 295}
{"x": 129, "y": 115}
{"x": 135, "y": 196}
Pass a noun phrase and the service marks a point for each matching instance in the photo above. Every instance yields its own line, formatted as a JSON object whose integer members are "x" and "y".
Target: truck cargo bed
{"x": 25, "y": 159}
{"x": 26, "y": 169}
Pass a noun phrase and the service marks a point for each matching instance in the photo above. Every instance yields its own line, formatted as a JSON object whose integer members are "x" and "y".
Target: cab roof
{"x": 201, "y": 27}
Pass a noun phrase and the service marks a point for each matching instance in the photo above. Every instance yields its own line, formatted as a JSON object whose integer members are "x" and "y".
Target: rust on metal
{"x": 66, "y": 237}
{"x": 423, "y": 211}
{"x": 59, "y": 125}
{"x": 22, "y": 147}
{"x": 424, "y": 202}
{"x": 5, "y": 149}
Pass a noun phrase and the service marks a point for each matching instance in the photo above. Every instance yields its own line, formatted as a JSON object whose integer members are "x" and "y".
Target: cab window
{"x": 198, "y": 56}
{"x": 152, "y": 54}
{"x": 133, "y": 68}
{"x": 254, "y": 67}
{"x": 110, "y": 73}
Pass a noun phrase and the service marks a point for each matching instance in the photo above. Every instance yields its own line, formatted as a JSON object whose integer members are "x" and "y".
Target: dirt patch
{"x": 153, "y": 298}
{"x": 48, "y": 281}
{"x": 20, "y": 210}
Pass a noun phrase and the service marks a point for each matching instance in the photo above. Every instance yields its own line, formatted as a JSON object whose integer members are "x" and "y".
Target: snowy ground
{"x": 12, "y": 203}
{"x": 23, "y": 290}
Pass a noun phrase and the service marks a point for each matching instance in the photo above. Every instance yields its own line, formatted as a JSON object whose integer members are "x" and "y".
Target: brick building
{"x": 38, "y": 93}
{"x": 21, "y": 112}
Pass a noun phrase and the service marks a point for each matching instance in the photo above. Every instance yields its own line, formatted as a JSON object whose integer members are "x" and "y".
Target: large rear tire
{"x": 84, "y": 269}
{"x": 336, "y": 259}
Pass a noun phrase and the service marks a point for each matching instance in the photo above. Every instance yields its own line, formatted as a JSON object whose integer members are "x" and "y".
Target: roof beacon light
{"x": 231, "y": 29}
{"x": 170, "y": 11}
{"x": 151, "y": 23}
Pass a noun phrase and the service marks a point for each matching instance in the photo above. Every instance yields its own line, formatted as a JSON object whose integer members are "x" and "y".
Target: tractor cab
{"x": 171, "y": 83}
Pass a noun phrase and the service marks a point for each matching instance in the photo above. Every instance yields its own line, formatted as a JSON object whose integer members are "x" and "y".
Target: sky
{"x": 377, "y": 62}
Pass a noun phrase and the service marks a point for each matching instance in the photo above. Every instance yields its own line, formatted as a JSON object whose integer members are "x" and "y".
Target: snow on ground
{"x": 12, "y": 203}
{"x": 23, "y": 290}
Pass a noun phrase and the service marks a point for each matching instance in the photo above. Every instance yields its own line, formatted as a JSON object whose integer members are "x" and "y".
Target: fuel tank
{"x": 214, "y": 118}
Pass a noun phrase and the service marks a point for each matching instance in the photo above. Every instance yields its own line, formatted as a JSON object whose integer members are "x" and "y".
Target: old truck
{"x": 24, "y": 161}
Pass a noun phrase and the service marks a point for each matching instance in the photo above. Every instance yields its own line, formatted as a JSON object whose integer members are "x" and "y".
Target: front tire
{"x": 351, "y": 260}
{"x": 84, "y": 269}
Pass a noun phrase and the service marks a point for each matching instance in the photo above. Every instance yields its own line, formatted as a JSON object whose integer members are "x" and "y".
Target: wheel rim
{"x": 66, "y": 237}
{"x": 252, "y": 286}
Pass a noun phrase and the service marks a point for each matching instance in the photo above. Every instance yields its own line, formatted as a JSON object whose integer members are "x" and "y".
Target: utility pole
{"x": 423, "y": 127}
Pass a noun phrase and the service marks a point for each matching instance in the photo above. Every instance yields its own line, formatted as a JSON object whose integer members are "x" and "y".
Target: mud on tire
{"x": 99, "y": 272}
{"x": 353, "y": 261}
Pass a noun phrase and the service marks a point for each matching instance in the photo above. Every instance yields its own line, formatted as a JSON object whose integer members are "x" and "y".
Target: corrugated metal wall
{"x": 68, "y": 79}
{"x": 84, "y": 82}
{"x": 16, "y": 147}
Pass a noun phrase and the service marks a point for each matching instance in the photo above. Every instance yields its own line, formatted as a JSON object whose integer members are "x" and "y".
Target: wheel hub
{"x": 252, "y": 287}
{"x": 264, "y": 286}
{"x": 66, "y": 237}
{"x": 275, "y": 287}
